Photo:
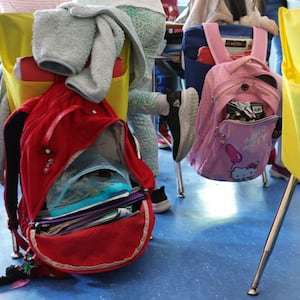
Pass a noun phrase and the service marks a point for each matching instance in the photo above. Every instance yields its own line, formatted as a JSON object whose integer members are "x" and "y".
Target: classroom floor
{"x": 206, "y": 247}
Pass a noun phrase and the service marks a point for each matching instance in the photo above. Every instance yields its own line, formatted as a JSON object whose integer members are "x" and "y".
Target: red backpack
{"x": 83, "y": 156}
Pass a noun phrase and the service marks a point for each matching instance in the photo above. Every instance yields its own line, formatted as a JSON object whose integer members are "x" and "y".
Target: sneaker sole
{"x": 160, "y": 146}
{"x": 161, "y": 207}
{"x": 187, "y": 115}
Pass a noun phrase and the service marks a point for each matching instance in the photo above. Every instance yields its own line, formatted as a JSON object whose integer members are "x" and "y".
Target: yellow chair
{"x": 15, "y": 41}
{"x": 289, "y": 25}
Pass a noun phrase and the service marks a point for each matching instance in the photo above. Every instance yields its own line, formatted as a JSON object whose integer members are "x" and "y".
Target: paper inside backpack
{"x": 85, "y": 222}
{"x": 88, "y": 181}
{"x": 245, "y": 111}
{"x": 102, "y": 214}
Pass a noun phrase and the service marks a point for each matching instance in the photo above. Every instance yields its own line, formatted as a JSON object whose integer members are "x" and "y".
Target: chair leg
{"x": 273, "y": 233}
{"x": 265, "y": 179}
{"x": 179, "y": 180}
{"x": 180, "y": 188}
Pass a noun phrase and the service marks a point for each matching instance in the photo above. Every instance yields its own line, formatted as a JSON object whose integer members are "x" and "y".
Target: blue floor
{"x": 206, "y": 247}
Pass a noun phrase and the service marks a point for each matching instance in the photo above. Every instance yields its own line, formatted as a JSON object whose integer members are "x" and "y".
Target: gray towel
{"x": 65, "y": 37}
{"x": 137, "y": 62}
{"x": 60, "y": 42}
{"x": 94, "y": 81}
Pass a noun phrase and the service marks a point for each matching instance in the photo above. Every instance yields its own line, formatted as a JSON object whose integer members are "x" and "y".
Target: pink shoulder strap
{"x": 219, "y": 51}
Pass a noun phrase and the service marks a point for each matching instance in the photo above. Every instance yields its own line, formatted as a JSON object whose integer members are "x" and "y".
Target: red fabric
{"x": 48, "y": 106}
{"x": 47, "y": 126}
{"x": 97, "y": 249}
{"x": 171, "y": 9}
{"x": 272, "y": 157}
{"x": 30, "y": 71}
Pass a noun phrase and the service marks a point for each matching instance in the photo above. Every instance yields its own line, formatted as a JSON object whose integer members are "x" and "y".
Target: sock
{"x": 156, "y": 185}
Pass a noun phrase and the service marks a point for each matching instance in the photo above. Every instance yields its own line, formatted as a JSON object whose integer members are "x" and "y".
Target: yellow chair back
{"x": 289, "y": 26}
{"x": 15, "y": 41}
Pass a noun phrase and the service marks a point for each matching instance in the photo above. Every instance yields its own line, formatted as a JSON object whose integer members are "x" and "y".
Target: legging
{"x": 150, "y": 27}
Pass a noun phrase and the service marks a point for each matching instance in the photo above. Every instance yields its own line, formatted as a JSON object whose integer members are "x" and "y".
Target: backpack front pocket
{"x": 239, "y": 150}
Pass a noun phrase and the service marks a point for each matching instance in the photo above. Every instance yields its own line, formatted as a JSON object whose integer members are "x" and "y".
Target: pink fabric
{"x": 225, "y": 148}
{"x": 28, "y": 6}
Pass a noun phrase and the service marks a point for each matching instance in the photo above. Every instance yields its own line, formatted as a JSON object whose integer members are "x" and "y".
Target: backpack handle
{"x": 243, "y": 60}
{"x": 56, "y": 121}
{"x": 219, "y": 51}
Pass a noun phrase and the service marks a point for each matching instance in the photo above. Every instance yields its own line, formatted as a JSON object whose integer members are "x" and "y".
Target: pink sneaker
{"x": 280, "y": 172}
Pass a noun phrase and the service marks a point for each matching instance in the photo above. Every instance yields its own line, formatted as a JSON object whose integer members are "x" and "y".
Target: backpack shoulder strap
{"x": 219, "y": 51}
{"x": 215, "y": 43}
{"x": 260, "y": 43}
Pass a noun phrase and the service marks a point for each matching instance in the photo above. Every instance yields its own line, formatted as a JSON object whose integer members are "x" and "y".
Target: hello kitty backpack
{"x": 237, "y": 122}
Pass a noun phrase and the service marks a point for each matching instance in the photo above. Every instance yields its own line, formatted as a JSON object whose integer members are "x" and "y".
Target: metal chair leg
{"x": 179, "y": 180}
{"x": 180, "y": 188}
{"x": 273, "y": 234}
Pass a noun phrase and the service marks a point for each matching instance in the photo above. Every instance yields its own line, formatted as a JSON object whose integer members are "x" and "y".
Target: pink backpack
{"x": 237, "y": 113}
